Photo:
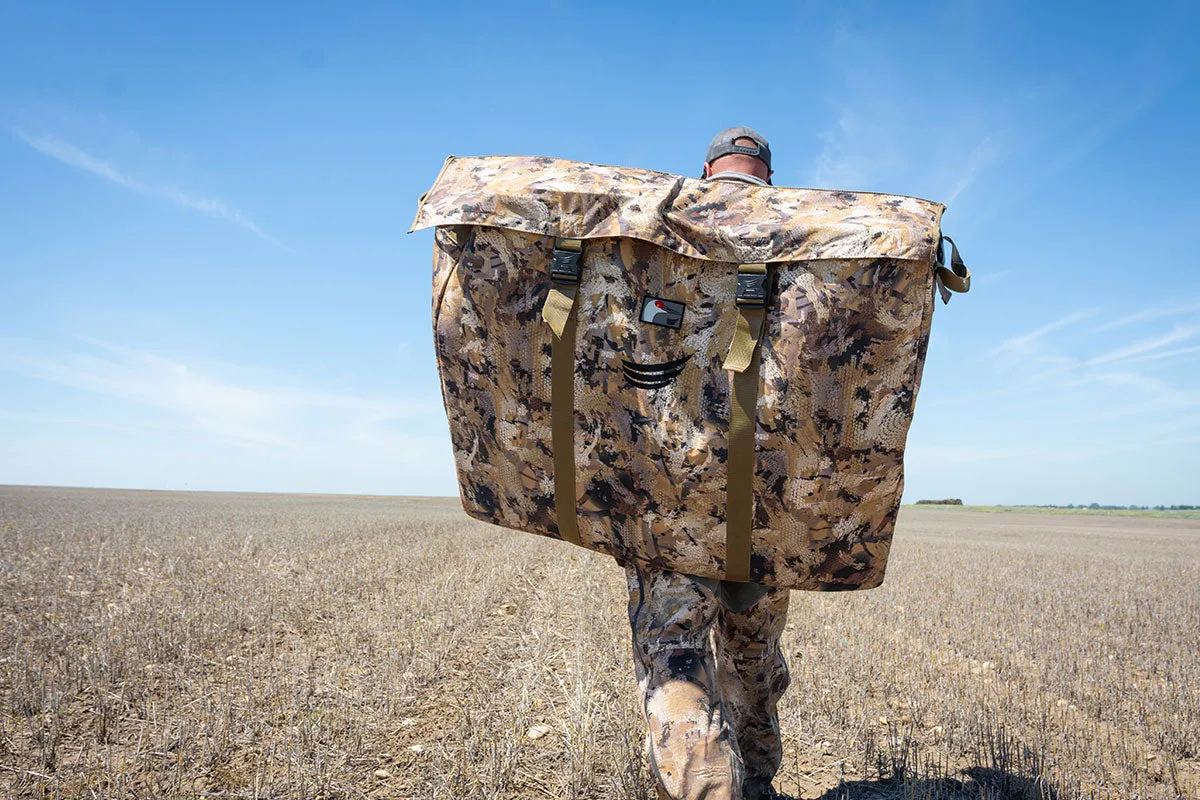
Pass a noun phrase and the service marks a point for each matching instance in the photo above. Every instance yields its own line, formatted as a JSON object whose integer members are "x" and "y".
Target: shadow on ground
{"x": 981, "y": 784}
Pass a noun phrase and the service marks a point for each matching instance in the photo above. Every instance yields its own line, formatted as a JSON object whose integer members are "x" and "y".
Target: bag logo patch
{"x": 653, "y": 376}
{"x": 660, "y": 311}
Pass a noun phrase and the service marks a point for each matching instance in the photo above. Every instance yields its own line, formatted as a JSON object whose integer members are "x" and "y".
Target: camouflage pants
{"x": 710, "y": 680}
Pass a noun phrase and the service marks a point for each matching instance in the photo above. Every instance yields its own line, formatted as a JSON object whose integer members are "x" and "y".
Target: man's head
{"x": 739, "y": 150}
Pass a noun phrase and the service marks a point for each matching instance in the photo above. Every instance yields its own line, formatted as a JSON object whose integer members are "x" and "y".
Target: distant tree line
{"x": 954, "y": 501}
{"x": 1098, "y": 507}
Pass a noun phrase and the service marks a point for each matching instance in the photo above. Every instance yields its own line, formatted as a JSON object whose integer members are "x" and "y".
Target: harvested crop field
{"x": 215, "y": 645}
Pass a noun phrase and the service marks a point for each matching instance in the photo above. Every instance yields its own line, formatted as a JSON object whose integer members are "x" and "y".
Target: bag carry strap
{"x": 955, "y": 279}
{"x": 743, "y": 362}
{"x": 558, "y": 312}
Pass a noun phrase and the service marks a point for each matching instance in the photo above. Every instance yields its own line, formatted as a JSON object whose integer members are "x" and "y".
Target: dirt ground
{"x": 219, "y": 645}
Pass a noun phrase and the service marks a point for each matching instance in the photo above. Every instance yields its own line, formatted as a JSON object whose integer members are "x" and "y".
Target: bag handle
{"x": 955, "y": 279}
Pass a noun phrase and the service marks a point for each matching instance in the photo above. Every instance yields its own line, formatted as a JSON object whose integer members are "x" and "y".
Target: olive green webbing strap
{"x": 743, "y": 364}
{"x": 558, "y": 312}
{"x": 955, "y": 279}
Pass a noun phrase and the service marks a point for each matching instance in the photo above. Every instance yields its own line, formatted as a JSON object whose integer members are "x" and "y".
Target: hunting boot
{"x": 691, "y": 745}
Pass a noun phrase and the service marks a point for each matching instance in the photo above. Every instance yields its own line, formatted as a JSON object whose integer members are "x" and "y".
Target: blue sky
{"x": 205, "y": 280}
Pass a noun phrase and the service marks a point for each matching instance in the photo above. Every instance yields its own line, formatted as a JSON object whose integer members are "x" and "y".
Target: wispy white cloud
{"x": 26, "y": 418}
{"x": 1102, "y": 383}
{"x": 1161, "y": 312}
{"x": 1026, "y": 341}
{"x": 1181, "y": 351}
{"x": 992, "y": 278}
{"x": 841, "y": 162}
{"x": 1129, "y": 393}
{"x": 876, "y": 137}
{"x": 262, "y": 415}
{"x": 984, "y": 155}
{"x": 73, "y": 156}
{"x": 942, "y": 456}
{"x": 1077, "y": 117}
{"x": 1147, "y": 347}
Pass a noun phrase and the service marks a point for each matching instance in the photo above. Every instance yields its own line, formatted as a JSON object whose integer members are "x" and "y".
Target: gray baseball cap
{"x": 722, "y": 145}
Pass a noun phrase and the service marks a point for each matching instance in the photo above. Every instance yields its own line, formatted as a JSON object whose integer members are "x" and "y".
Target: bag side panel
{"x": 841, "y": 368}
{"x": 493, "y": 354}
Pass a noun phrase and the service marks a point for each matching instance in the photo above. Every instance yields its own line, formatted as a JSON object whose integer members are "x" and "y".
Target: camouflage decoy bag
{"x": 710, "y": 377}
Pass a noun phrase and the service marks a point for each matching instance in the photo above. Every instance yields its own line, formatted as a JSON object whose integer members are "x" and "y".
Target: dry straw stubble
{"x": 195, "y": 645}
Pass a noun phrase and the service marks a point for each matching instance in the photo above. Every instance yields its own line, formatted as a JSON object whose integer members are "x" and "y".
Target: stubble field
{"x": 213, "y": 645}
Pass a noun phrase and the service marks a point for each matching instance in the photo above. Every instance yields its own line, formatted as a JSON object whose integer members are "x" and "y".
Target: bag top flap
{"x": 722, "y": 220}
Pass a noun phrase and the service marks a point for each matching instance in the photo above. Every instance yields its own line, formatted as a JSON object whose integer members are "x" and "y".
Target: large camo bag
{"x": 711, "y": 377}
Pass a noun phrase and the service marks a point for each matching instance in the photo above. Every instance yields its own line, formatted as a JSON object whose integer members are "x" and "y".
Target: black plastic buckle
{"x": 751, "y": 290}
{"x": 566, "y": 266}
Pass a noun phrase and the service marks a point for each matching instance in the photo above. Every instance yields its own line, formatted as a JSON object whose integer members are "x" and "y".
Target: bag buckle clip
{"x": 566, "y": 267}
{"x": 752, "y": 290}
